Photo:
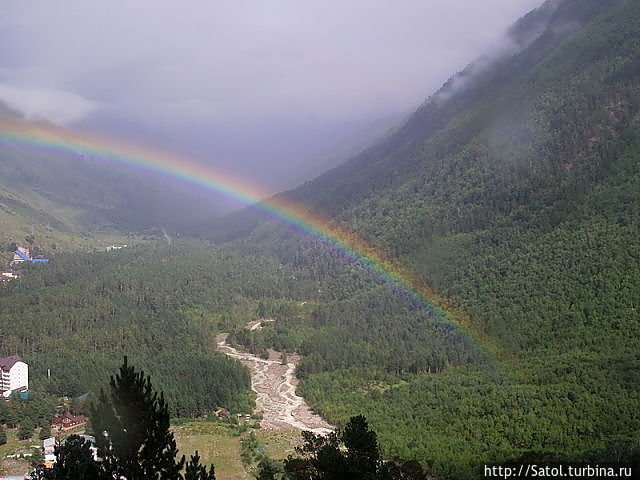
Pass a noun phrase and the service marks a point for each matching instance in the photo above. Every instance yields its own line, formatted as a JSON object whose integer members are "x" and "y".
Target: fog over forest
{"x": 274, "y": 93}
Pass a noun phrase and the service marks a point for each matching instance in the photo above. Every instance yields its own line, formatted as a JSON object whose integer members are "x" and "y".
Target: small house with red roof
{"x": 67, "y": 421}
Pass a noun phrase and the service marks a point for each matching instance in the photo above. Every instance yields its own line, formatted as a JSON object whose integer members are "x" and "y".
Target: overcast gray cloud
{"x": 61, "y": 108}
{"x": 217, "y": 74}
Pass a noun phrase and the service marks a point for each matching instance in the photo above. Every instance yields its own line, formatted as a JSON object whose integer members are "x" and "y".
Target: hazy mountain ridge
{"x": 532, "y": 149}
{"x": 493, "y": 107}
{"x": 444, "y": 123}
{"x": 503, "y": 127}
{"x": 73, "y": 193}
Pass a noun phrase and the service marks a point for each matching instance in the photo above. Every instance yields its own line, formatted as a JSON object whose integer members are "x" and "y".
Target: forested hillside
{"x": 57, "y": 195}
{"x": 515, "y": 192}
{"x": 80, "y": 314}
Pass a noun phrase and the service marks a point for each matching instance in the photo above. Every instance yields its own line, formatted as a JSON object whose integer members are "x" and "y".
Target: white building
{"x": 48, "y": 448}
{"x": 14, "y": 375}
{"x": 21, "y": 254}
{"x": 49, "y": 445}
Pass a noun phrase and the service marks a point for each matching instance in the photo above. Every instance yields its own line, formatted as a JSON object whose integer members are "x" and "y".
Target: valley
{"x": 275, "y": 386}
{"x": 470, "y": 282}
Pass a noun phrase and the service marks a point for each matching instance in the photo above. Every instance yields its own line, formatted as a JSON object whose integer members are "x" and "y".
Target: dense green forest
{"x": 160, "y": 305}
{"x": 514, "y": 192}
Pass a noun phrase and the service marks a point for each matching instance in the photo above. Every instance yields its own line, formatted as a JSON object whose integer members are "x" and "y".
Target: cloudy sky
{"x": 257, "y": 87}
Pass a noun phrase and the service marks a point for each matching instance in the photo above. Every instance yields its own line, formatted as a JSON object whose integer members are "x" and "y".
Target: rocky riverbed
{"x": 275, "y": 385}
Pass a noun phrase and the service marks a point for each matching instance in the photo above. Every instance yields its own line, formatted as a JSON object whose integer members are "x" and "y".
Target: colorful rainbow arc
{"x": 51, "y": 139}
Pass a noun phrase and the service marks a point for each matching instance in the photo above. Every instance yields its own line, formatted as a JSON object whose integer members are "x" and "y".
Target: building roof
{"x": 22, "y": 255}
{"x": 57, "y": 419}
{"x": 49, "y": 442}
{"x": 7, "y": 362}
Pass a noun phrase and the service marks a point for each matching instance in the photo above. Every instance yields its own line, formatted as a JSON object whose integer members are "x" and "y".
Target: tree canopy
{"x": 133, "y": 440}
{"x": 351, "y": 453}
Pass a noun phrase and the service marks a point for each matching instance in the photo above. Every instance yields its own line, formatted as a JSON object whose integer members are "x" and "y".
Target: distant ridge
{"x": 60, "y": 196}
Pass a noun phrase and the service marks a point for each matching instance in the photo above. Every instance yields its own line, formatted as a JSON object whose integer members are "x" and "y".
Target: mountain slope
{"x": 60, "y": 195}
{"x": 514, "y": 191}
{"x": 549, "y": 144}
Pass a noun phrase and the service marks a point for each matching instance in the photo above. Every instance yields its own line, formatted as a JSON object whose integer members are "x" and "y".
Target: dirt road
{"x": 275, "y": 385}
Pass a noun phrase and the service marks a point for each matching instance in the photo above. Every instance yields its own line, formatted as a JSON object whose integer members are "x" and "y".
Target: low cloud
{"x": 256, "y": 88}
{"x": 56, "y": 106}
{"x": 522, "y": 34}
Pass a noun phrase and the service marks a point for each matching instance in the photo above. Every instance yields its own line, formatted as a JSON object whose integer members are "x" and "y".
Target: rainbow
{"x": 51, "y": 139}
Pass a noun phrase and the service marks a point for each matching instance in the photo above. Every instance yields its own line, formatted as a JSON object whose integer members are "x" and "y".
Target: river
{"x": 275, "y": 386}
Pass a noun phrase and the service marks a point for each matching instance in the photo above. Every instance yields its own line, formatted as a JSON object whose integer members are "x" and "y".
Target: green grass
{"x": 16, "y": 466}
{"x": 50, "y": 240}
{"x": 216, "y": 443}
{"x": 279, "y": 443}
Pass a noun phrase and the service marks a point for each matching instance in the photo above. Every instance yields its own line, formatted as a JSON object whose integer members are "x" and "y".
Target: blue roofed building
{"x": 23, "y": 254}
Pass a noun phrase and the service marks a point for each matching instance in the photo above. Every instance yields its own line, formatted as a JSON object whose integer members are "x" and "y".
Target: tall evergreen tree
{"x": 132, "y": 429}
{"x": 45, "y": 431}
{"x": 74, "y": 461}
{"x": 26, "y": 429}
{"x": 131, "y": 425}
{"x": 195, "y": 471}
{"x": 349, "y": 454}
{"x": 361, "y": 444}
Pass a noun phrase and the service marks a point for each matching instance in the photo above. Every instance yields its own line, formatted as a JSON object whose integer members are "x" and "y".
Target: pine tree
{"x": 45, "y": 431}
{"x": 195, "y": 471}
{"x": 132, "y": 429}
{"x": 26, "y": 429}
{"x": 132, "y": 437}
{"x": 348, "y": 454}
{"x": 361, "y": 444}
{"x": 74, "y": 461}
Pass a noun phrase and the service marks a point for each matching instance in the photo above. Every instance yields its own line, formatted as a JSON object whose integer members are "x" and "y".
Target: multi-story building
{"x": 14, "y": 375}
